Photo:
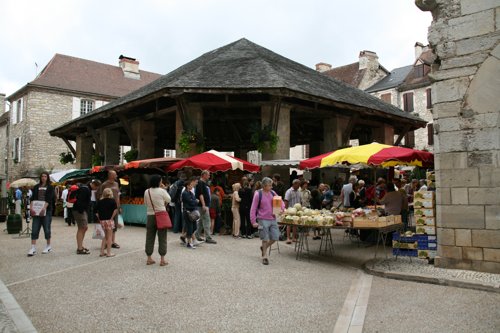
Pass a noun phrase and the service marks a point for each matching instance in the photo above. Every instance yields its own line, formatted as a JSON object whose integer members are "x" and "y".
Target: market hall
{"x": 225, "y": 95}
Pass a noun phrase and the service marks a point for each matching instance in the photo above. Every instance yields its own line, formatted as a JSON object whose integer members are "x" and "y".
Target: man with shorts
{"x": 262, "y": 217}
{"x": 113, "y": 185}
{"x": 80, "y": 214}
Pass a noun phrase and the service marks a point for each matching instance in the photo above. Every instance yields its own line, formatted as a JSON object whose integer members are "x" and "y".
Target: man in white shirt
{"x": 292, "y": 197}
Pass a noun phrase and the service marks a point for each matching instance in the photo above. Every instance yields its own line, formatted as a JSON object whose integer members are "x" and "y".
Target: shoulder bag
{"x": 162, "y": 218}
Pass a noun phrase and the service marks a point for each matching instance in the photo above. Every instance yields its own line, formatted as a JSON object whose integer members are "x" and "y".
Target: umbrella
{"x": 214, "y": 161}
{"x": 56, "y": 176}
{"x": 78, "y": 173}
{"x": 161, "y": 162}
{"x": 28, "y": 182}
{"x": 375, "y": 154}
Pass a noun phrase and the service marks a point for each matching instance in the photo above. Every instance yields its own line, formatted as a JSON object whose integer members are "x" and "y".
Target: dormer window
{"x": 86, "y": 106}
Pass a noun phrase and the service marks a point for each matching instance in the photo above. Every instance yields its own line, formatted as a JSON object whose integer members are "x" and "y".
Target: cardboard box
{"x": 426, "y": 246}
{"x": 404, "y": 245}
{"x": 424, "y": 195}
{"x": 426, "y": 254}
{"x": 424, "y": 212}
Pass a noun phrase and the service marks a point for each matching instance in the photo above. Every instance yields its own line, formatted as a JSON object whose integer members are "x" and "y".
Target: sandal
{"x": 163, "y": 263}
{"x": 110, "y": 255}
{"x": 289, "y": 242}
{"x": 83, "y": 251}
{"x": 150, "y": 262}
{"x": 115, "y": 246}
{"x": 102, "y": 255}
{"x": 265, "y": 261}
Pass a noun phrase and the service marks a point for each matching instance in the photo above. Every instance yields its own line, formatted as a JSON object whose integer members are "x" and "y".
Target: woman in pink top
{"x": 261, "y": 216}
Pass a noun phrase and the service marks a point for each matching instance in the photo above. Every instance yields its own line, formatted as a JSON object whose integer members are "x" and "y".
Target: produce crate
{"x": 424, "y": 212}
{"x": 404, "y": 245}
{"x": 424, "y": 195}
{"x": 426, "y": 254}
{"x": 426, "y": 246}
{"x": 425, "y": 220}
{"x": 383, "y": 221}
{"x": 404, "y": 252}
{"x": 423, "y": 203}
{"x": 424, "y": 229}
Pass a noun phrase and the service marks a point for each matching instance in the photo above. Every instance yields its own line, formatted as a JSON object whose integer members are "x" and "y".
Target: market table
{"x": 134, "y": 213}
{"x": 326, "y": 245}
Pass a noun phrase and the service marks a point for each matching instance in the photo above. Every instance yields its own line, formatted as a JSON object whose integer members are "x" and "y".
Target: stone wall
{"x": 43, "y": 111}
{"x": 465, "y": 36}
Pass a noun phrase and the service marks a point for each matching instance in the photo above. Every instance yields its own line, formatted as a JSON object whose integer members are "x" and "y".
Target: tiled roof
{"x": 350, "y": 74}
{"x": 393, "y": 80}
{"x": 246, "y": 65}
{"x": 86, "y": 76}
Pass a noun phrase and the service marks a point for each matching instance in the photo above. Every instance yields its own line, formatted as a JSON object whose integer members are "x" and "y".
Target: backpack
{"x": 72, "y": 194}
{"x": 175, "y": 192}
{"x": 260, "y": 197}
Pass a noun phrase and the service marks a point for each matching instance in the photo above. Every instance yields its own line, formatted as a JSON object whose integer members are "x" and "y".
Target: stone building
{"x": 65, "y": 89}
{"x": 406, "y": 87}
{"x": 4, "y": 141}
{"x": 465, "y": 37}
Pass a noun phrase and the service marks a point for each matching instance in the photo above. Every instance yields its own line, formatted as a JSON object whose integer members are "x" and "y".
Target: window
{"x": 16, "y": 150}
{"x": 430, "y": 134}
{"x": 19, "y": 110}
{"x": 419, "y": 71}
{"x": 408, "y": 102}
{"x": 386, "y": 98}
{"x": 86, "y": 106}
{"x": 428, "y": 93}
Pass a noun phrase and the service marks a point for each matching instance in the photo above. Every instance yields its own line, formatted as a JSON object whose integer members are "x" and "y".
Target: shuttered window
{"x": 410, "y": 139}
{"x": 13, "y": 112}
{"x": 17, "y": 150}
{"x": 19, "y": 110}
{"x": 428, "y": 93}
{"x": 430, "y": 134}
{"x": 386, "y": 98}
{"x": 408, "y": 102}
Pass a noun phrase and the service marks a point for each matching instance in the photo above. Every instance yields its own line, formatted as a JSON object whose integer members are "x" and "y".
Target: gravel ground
{"x": 421, "y": 267}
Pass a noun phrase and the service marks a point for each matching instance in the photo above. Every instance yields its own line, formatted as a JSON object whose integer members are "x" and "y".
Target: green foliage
{"x": 97, "y": 160}
{"x": 417, "y": 173}
{"x": 66, "y": 158}
{"x": 264, "y": 139}
{"x": 131, "y": 155}
{"x": 190, "y": 137}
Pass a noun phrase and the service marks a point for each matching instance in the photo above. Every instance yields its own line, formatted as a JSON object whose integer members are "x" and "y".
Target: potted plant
{"x": 265, "y": 139}
{"x": 131, "y": 155}
{"x": 66, "y": 158}
{"x": 189, "y": 140}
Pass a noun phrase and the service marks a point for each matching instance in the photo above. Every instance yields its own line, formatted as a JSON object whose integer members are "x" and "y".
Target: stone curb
{"x": 13, "y": 311}
{"x": 423, "y": 278}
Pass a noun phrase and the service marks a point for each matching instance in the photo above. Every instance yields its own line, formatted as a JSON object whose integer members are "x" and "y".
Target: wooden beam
{"x": 348, "y": 130}
{"x": 70, "y": 147}
{"x": 128, "y": 130}
{"x": 97, "y": 140}
{"x": 401, "y": 135}
{"x": 181, "y": 107}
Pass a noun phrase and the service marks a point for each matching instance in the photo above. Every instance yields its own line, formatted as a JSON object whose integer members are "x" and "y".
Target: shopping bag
{"x": 98, "y": 232}
{"x": 121, "y": 223}
{"x": 163, "y": 220}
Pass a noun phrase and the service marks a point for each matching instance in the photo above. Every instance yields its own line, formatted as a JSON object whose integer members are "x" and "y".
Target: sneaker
{"x": 210, "y": 241}
{"x": 199, "y": 239}
{"x": 197, "y": 243}
{"x": 190, "y": 246}
{"x": 32, "y": 252}
{"x": 47, "y": 249}
{"x": 183, "y": 239}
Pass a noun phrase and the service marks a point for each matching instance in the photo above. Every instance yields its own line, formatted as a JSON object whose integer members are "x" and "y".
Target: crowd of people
{"x": 194, "y": 206}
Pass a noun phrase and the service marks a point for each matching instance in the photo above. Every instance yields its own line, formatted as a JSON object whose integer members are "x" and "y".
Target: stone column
{"x": 84, "y": 151}
{"x": 463, "y": 35}
{"x": 145, "y": 134}
{"x": 111, "y": 142}
{"x": 283, "y": 131}
{"x": 384, "y": 134}
{"x": 194, "y": 119}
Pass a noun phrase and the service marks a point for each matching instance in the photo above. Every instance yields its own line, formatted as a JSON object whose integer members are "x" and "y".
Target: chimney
{"x": 130, "y": 67}
{"x": 368, "y": 60}
{"x": 2, "y": 104}
{"x": 419, "y": 48}
{"x": 323, "y": 67}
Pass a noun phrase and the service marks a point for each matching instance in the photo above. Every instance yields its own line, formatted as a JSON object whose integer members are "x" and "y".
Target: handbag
{"x": 162, "y": 218}
{"x": 194, "y": 215}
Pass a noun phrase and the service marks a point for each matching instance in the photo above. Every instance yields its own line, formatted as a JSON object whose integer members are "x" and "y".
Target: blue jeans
{"x": 41, "y": 222}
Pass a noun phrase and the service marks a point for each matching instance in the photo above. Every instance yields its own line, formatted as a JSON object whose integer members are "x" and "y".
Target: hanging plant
{"x": 97, "y": 160}
{"x": 66, "y": 158}
{"x": 264, "y": 139}
{"x": 190, "y": 138}
{"x": 131, "y": 155}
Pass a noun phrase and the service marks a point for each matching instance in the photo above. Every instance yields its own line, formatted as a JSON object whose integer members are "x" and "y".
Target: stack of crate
{"x": 424, "y": 204}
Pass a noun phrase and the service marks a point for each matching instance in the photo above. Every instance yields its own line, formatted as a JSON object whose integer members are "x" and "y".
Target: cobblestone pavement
{"x": 225, "y": 288}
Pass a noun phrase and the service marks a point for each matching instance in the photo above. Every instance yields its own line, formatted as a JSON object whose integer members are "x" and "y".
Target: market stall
{"x": 214, "y": 161}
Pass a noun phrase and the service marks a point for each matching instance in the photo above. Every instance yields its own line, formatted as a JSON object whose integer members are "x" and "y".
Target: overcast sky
{"x": 165, "y": 34}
